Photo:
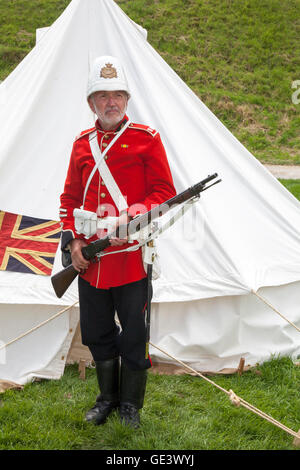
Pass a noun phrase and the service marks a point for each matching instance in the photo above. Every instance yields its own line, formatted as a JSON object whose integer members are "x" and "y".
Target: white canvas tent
{"x": 241, "y": 238}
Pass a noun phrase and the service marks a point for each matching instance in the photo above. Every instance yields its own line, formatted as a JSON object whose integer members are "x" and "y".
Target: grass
{"x": 18, "y": 23}
{"x": 239, "y": 57}
{"x": 293, "y": 186}
{"x": 180, "y": 412}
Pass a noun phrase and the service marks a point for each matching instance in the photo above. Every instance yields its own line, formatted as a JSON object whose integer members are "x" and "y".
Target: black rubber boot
{"x": 132, "y": 393}
{"x": 108, "y": 380}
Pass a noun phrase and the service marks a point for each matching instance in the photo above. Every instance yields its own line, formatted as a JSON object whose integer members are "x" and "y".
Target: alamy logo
{"x": 296, "y": 94}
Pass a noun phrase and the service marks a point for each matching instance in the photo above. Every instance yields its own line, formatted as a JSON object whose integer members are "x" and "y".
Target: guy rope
{"x": 235, "y": 399}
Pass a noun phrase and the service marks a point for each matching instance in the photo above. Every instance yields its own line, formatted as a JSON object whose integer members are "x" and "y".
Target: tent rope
{"x": 275, "y": 310}
{"x": 236, "y": 400}
{"x": 38, "y": 326}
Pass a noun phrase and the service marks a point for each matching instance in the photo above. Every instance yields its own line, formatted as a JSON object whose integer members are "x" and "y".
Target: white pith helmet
{"x": 107, "y": 74}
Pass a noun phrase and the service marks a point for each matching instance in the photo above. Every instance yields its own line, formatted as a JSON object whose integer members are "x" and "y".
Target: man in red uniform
{"x": 138, "y": 165}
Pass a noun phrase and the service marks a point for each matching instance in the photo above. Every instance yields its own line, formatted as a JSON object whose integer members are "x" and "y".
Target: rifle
{"x": 62, "y": 280}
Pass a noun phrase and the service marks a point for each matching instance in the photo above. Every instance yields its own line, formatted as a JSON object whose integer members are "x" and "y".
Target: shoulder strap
{"x": 104, "y": 171}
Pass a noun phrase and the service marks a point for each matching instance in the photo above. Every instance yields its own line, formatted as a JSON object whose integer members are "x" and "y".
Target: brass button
{"x": 102, "y": 194}
{"x": 104, "y": 144}
{"x": 106, "y": 136}
{"x": 106, "y": 157}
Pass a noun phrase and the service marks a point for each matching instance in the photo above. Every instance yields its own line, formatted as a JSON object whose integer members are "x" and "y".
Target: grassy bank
{"x": 239, "y": 57}
{"x": 293, "y": 186}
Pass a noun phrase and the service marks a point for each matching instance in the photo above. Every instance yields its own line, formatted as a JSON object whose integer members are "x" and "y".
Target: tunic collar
{"x": 112, "y": 131}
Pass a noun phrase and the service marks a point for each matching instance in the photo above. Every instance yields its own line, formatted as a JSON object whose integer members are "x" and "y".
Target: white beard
{"x": 109, "y": 122}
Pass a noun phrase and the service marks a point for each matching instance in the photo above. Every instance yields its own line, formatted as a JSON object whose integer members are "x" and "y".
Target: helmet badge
{"x": 108, "y": 71}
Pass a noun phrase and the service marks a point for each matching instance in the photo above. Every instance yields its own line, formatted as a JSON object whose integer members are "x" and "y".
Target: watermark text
{"x": 296, "y": 94}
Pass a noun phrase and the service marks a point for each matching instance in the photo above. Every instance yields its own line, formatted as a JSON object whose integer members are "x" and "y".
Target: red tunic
{"x": 139, "y": 165}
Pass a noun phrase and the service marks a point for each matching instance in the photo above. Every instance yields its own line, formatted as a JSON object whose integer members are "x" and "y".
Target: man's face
{"x": 110, "y": 107}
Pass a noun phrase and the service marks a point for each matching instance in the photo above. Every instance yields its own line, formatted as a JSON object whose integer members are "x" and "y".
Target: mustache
{"x": 112, "y": 108}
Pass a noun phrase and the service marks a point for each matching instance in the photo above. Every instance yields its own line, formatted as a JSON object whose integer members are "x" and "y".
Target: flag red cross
{"x": 27, "y": 244}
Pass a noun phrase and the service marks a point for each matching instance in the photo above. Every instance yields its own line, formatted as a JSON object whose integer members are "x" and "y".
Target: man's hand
{"x": 78, "y": 261}
{"x": 122, "y": 220}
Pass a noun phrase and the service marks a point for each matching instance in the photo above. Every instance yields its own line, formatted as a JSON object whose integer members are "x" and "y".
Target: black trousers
{"x": 99, "y": 330}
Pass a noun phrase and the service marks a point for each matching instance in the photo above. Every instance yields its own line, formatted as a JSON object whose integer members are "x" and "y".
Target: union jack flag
{"x": 27, "y": 244}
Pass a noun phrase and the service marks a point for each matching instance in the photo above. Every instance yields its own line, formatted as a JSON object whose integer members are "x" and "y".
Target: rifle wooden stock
{"x": 62, "y": 280}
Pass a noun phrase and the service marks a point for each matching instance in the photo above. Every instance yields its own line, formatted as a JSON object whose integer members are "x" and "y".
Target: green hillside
{"x": 239, "y": 56}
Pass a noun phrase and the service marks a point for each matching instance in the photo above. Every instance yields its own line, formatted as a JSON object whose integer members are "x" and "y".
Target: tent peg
{"x": 81, "y": 369}
{"x": 296, "y": 441}
{"x": 240, "y": 368}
